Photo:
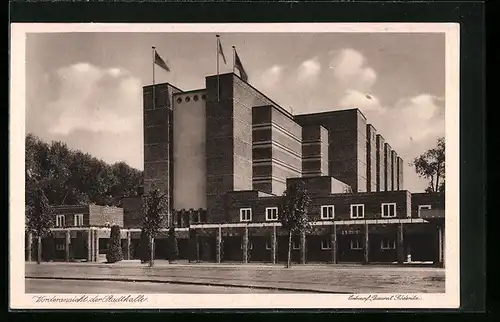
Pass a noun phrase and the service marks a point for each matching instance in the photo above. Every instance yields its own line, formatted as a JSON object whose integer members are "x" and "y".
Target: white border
{"x": 449, "y": 299}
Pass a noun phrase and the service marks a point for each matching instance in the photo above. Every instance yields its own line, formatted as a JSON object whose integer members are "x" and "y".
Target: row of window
{"x": 328, "y": 212}
{"x": 77, "y": 220}
{"x": 326, "y": 244}
{"x": 195, "y": 98}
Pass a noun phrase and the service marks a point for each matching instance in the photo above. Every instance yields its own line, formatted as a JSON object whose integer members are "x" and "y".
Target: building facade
{"x": 225, "y": 154}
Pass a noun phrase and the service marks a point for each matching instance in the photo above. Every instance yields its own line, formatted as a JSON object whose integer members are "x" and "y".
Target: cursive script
{"x": 384, "y": 297}
{"x": 90, "y": 299}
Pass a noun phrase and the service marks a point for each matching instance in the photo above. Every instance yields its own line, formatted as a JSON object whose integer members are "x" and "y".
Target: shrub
{"x": 172, "y": 249}
{"x": 114, "y": 253}
{"x": 144, "y": 248}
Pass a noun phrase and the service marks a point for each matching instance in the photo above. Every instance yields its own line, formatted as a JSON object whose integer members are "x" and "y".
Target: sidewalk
{"x": 305, "y": 278}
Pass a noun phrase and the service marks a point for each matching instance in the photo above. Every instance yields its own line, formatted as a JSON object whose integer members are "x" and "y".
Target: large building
{"x": 225, "y": 154}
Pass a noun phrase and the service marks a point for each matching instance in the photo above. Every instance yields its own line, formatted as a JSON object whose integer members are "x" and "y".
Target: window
{"x": 355, "y": 244}
{"x": 195, "y": 98}
{"x": 388, "y": 210}
{"x": 420, "y": 207}
{"x": 60, "y": 246}
{"x": 60, "y": 221}
{"x": 327, "y": 212}
{"x": 268, "y": 245}
{"x": 326, "y": 244}
{"x": 78, "y": 220}
{"x": 387, "y": 244}
{"x": 187, "y": 99}
{"x": 272, "y": 213}
{"x": 246, "y": 214}
{"x": 295, "y": 245}
{"x": 357, "y": 211}
{"x": 179, "y": 100}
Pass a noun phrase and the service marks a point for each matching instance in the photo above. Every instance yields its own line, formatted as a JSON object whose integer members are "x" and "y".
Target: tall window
{"x": 78, "y": 220}
{"x": 272, "y": 213}
{"x": 327, "y": 212}
{"x": 357, "y": 211}
{"x": 60, "y": 221}
{"x": 268, "y": 244}
{"x": 246, "y": 214}
{"x": 355, "y": 244}
{"x": 420, "y": 207}
{"x": 295, "y": 245}
{"x": 326, "y": 244}
{"x": 388, "y": 210}
{"x": 388, "y": 244}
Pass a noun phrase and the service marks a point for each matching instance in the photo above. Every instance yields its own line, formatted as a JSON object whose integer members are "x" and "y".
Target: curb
{"x": 185, "y": 283}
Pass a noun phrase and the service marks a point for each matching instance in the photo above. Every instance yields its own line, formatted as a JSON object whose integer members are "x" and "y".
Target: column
{"x": 218, "y": 241}
{"x": 273, "y": 245}
{"x": 367, "y": 245}
{"x": 68, "y": 243}
{"x": 400, "y": 244}
{"x": 30, "y": 246}
{"x": 96, "y": 245}
{"x": 440, "y": 245}
{"x": 333, "y": 243}
{"x": 302, "y": 247}
{"x": 89, "y": 245}
{"x": 128, "y": 245}
{"x": 245, "y": 245}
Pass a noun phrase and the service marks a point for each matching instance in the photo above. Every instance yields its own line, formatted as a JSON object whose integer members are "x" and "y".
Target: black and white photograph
{"x": 241, "y": 162}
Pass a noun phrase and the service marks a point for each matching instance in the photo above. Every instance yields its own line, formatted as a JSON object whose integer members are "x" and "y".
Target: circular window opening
{"x": 187, "y": 99}
{"x": 203, "y": 97}
{"x": 179, "y": 100}
{"x": 195, "y": 98}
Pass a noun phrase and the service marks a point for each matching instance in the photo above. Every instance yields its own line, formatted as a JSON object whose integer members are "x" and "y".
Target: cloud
{"x": 357, "y": 99}
{"x": 272, "y": 76}
{"x": 96, "y": 109}
{"x": 94, "y": 99}
{"x": 350, "y": 70}
{"x": 309, "y": 70}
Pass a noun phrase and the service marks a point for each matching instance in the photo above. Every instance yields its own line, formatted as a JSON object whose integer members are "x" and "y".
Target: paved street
{"x": 107, "y": 287}
{"x": 319, "y": 278}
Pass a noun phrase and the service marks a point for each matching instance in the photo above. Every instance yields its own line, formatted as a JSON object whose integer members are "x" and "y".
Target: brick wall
{"x": 314, "y": 151}
{"x": 380, "y": 164}
{"x": 400, "y": 173}
{"x": 158, "y": 134}
{"x": 104, "y": 215}
{"x": 345, "y": 146}
{"x": 132, "y": 211}
{"x": 436, "y": 200}
{"x": 371, "y": 159}
{"x": 394, "y": 170}
{"x": 387, "y": 167}
{"x": 69, "y": 213}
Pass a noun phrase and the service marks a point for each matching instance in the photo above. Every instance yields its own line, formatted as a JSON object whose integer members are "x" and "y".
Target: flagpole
{"x": 218, "y": 83}
{"x": 154, "y": 100}
{"x": 234, "y": 57}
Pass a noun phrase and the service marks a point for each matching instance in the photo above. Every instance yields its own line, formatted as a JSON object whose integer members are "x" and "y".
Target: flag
{"x": 160, "y": 62}
{"x": 239, "y": 66}
{"x": 221, "y": 52}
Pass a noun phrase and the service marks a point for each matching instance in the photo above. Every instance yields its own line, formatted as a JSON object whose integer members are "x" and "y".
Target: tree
{"x": 39, "y": 214}
{"x": 172, "y": 249}
{"x": 431, "y": 165}
{"x": 293, "y": 213}
{"x": 72, "y": 177}
{"x": 154, "y": 214}
{"x": 144, "y": 251}
{"x": 114, "y": 252}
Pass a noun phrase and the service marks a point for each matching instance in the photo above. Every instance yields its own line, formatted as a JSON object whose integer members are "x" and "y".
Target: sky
{"x": 86, "y": 88}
